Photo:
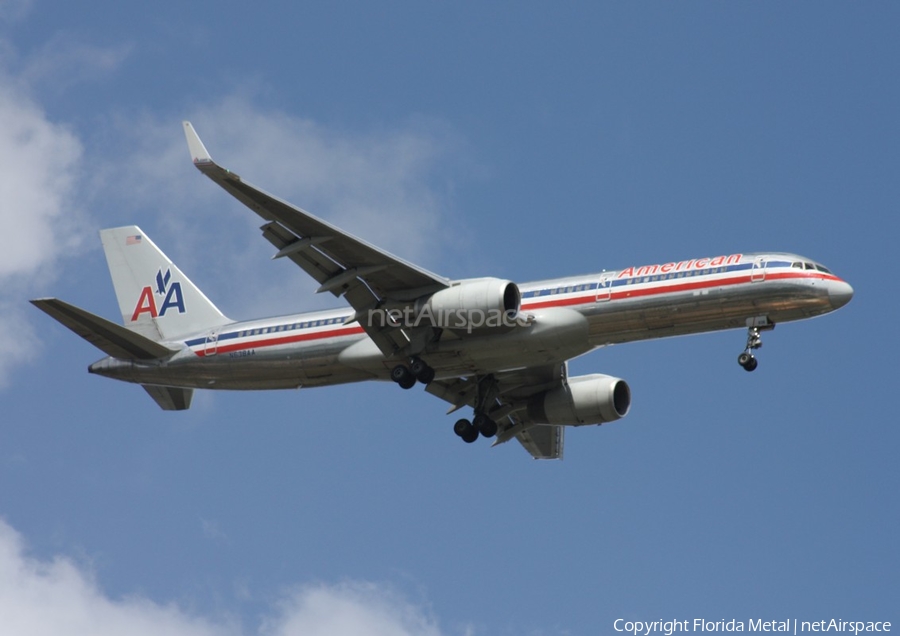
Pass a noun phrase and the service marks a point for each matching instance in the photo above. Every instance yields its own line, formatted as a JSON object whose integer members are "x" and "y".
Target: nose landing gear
{"x": 747, "y": 359}
{"x": 754, "y": 341}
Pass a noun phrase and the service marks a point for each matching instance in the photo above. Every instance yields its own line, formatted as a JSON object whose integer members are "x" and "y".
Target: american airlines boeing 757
{"x": 485, "y": 344}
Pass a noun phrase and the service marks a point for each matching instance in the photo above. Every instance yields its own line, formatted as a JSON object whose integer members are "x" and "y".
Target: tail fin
{"x": 155, "y": 297}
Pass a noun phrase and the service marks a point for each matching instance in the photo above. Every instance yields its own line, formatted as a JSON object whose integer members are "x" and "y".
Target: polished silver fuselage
{"x": 559, "y": 319}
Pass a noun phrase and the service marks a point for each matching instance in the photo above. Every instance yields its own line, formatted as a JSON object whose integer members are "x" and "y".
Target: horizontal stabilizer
{"x": 170, "y": 398}
{"x": 111, "y": 338}
{"x": 543, "y": 442}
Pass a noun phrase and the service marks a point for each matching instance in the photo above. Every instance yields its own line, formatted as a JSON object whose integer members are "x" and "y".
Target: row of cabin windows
{"x": 815, "y": 266}
{"x": 630, "y": 281}
{"x": 563, "y": 290}
{"x": 292, "y": 327}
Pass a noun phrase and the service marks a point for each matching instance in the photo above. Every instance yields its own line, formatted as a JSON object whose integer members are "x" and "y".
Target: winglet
{"x": 199, "y": 154}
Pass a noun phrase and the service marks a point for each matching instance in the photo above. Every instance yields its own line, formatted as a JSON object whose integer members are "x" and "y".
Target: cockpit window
{"x": 808, "y": 266}
{"x": 797, "y": 265}
{"x": 822, "y": 269}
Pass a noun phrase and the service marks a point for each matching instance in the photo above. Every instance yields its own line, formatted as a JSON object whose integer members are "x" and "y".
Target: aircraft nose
{"x": 839, "y": 294}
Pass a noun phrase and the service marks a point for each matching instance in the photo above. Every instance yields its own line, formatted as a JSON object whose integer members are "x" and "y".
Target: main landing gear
{"x": 418, "y": 370}
{"x": 481, "y": 423}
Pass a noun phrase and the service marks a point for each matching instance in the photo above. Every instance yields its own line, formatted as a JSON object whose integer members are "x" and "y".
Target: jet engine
{"x": 583, "y": 399}
{"x": 472, "y": 304}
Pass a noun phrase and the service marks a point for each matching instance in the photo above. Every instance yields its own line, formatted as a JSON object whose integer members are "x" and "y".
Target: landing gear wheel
{"x": 466, "y": 431}
{"x": 417, "y": 365}
{"x": 403, "y": 376}
{"x": 748, "y": 361}
{"x": 421, "y": 370}
{"x": 754, "y": 341}
{"x": 485, "y": 425}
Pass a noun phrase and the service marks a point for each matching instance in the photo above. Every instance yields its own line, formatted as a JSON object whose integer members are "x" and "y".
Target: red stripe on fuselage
{"x": 283, "y": 340}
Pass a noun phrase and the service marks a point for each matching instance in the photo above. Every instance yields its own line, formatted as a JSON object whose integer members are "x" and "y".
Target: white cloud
{"x": 40, "y": 598}
{"x": 38, "y": 166}
{"x": 349, "y": 609}
{"x": 38, "y": 217}
{"x": 17, "y": 338}
{"x": 53, "y": 597}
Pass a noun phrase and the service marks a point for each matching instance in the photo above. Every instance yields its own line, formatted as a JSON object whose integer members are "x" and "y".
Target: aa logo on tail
{"x": 170, "y": 292}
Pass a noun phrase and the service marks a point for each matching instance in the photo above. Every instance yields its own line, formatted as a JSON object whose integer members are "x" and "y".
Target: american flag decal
{"x": 133, "y": 240}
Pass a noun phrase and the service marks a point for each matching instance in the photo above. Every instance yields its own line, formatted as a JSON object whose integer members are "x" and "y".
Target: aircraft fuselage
{"x": 558, "y": 319}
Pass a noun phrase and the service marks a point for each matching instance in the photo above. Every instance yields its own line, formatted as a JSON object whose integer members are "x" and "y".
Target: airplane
{"x": 486, "y": 344}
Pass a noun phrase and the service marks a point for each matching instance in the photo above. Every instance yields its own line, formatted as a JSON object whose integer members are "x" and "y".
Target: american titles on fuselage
{"x": 699, "y": 263}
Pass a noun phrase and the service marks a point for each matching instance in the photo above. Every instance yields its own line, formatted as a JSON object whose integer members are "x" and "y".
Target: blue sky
{"x": 520, "y": 140}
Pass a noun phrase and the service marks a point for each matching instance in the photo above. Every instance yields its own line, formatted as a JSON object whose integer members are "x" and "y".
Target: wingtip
{"x": 199, "y": 154}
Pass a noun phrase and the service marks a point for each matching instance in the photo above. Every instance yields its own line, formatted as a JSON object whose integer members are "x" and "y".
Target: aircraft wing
{"x": 514, "y": 390}
{"x": 342, "y": 264}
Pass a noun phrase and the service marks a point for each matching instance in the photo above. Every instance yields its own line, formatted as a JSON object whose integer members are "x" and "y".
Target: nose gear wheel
{"x": 754, "y": 341}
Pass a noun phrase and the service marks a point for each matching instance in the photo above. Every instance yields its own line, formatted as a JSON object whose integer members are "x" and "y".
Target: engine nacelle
{"x": 584, "y": 399}
{"x": 473, "y": 304}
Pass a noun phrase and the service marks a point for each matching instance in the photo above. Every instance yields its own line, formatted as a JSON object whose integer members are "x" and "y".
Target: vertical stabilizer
{"x": 155, "y": 297}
